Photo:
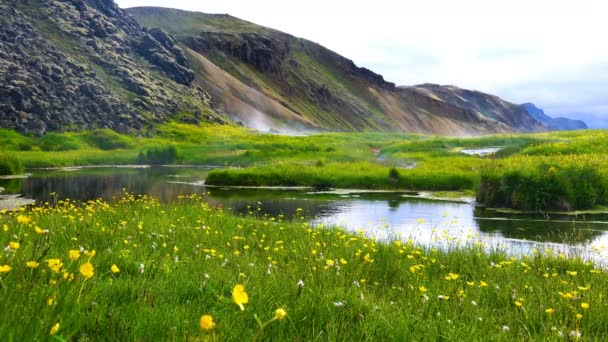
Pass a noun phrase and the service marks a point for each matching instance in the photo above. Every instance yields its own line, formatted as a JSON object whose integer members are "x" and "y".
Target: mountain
{"x": 82, "y": 64}
{"x": 489, "y": 106}
{"x": 557, "y": 124}
{"x": 77, "y": 64}
{"x": 269, "y": 79}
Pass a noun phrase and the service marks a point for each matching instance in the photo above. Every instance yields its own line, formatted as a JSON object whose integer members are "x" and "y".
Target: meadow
{"x": 138, "y": 269}
{"x": 558, "y": 171}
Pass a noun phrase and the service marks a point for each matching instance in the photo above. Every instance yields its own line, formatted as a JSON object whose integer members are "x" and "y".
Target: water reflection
{"x": 382, "y": 214}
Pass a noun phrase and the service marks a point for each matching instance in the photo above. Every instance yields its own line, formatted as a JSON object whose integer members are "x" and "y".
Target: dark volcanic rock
{"x": 74, "y": 64}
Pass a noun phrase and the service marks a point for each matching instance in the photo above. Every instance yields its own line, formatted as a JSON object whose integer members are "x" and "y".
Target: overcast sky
{"x": 551, "y": 53}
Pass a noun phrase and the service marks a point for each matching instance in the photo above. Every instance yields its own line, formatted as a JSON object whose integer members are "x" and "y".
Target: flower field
{"x": 138, "y": 269}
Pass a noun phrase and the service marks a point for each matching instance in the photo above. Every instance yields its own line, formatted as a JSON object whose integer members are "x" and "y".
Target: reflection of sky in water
{"x": 387, "y": 215}
{"x": 447, "y": 224}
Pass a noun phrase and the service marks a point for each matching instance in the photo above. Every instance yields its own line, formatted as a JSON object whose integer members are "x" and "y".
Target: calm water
{"x": 381, "y": 214}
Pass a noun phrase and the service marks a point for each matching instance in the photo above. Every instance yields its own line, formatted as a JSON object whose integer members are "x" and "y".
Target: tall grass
{"x": 176, "y": 262}
{"x": 10, "y": 165}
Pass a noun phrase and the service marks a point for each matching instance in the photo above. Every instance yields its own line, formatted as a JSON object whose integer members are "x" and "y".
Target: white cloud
{"x": 502, "y": 47}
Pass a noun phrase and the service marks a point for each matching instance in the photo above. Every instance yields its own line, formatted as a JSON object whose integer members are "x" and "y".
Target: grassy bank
{"x": 516, "y": 176}
{"x": 158, "y": 268}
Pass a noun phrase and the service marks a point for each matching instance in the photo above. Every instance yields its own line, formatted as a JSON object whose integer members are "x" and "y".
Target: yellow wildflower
{"x": 39, "y": 230}
{"x": 5, "y": 269}
{"x": 55, "y": 265}
{"x": 90, "y": 254}
{"x": 54, "y": 329}
{"x": 14, "y": 245}
{"x": 280, "y": 314}
{"x": 32, "y": 264}
{"x": 206, "y": 322}
{"x": 115, "y": 269}
{"x": 572, "y": 273}
{"x": 452, "y": 276}
{"x": 483, "y": 284}
{"x": 549, "y": 311}
{"x": 87, "y": 270}
{"x": 518, "y": 304}
{"x": 23, "y": 219}
{"x": 74, "y": 254}
{"x": 422, "y": 289}
{"x": 579, "y": 316}
{"x": 239, "y": 296}
{"x": 585, "y": 306}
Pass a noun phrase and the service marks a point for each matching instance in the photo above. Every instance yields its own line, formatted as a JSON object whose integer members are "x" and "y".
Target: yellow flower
{"x": 239, "y": 296}
{"x": 483, "y": 284}
{"x": 87, "y": 270}
{"x": 452, "y": 276}
{"x": 549, "y": 311}
{"x": 518, "y": 304}
{"x": 115, "y": 269}
{"x": 90, "y": 254}
{"x": 14, "y": 245}
{"x": 585, "y": 305}
{"x": 55, "y": 265}
{"x": 579, "y": 316}
{"x": 5, "y": 269}
{"x": 422, "y": 289}
{"x": 39, "y": 230}
{"x": 572, "y": 273}
{"x": 54, "y": 329}
{"x": 280, "y": 314}
{"x": 206, "y": 322}
{"x": 74, "y": 254}
{"x": 23, "y": 219}
{"x": 32, "y": 264}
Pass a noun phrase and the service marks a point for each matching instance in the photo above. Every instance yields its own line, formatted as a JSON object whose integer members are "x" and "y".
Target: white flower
{"x": 206, "y": 276}
{"x": 505, "y": 328}
{"x": 574, "y": 334}
{"x": 474, "y": 303}
{"x": 141, "y": 268}
{"x": 356, "y": 283}
{"x": 338, "y": 304}
{"x": 225, "y": 263}
{"x": 300, "y": 283}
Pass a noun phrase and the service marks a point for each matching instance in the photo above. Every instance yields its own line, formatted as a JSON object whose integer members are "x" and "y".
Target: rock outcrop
{"x": 74, "y": 64}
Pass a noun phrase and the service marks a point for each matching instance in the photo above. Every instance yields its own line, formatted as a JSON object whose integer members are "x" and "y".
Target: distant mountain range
{"x": 76, "y": 64}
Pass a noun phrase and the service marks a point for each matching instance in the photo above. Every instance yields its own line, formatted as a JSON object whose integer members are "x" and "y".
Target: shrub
{"x": 158, "y": 155}
{"x": 10, "y": 165}
{"x": 56, "y": 142}
{"x": 106, "y": 139}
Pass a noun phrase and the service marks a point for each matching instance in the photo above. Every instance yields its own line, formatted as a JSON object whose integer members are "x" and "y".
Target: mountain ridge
{"x": 85, "y": 64}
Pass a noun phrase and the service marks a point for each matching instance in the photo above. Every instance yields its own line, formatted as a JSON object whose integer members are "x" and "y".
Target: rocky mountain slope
{"x": 558, "y": 124}
{"x": 73, "y": 64}
{"x": 490, "y": 106}
{"x": 80, "y": 64}
{"x": 266, "y": 78}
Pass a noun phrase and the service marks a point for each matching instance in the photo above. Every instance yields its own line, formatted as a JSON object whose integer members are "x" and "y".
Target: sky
{"x": 551, "y": 53}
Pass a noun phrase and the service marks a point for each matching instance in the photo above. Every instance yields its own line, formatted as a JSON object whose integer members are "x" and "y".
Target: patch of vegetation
{"x": 106, "y": 139}
{"x": 514, "y": 176}
{"x": 159, "y": 155}
{"x": 55, "y": 142}
{"x": 10, "y": 165}
{"x": 142, "y": 270}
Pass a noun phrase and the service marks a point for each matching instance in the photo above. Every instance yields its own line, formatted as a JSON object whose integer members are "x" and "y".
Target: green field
{"x": 140, "y": 270}
{"x": 549, "y": 171}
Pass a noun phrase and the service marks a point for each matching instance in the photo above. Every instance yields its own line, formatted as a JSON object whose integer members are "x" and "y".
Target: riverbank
{"x": 547, "y": 172}
{"x": 157, "y": 268}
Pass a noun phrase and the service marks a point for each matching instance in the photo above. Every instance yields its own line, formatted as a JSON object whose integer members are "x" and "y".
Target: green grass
{"x": 514, "y": 177}
{"x": 353, "y": 288}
